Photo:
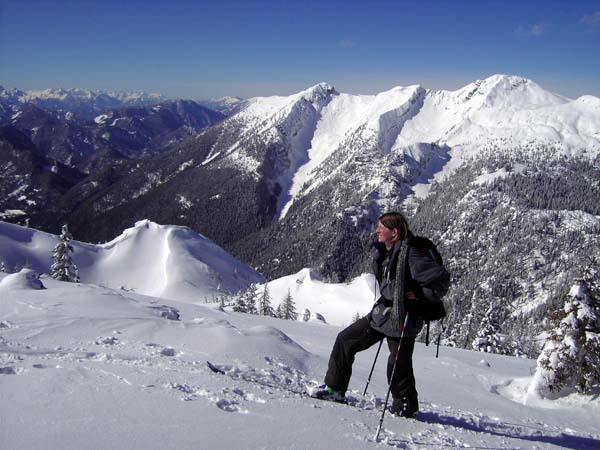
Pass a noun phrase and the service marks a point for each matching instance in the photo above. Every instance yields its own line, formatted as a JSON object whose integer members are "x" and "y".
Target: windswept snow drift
{"x": 84, "y": 366}
{"x": 24, "y": 279}
{"x": 159, "y": 260}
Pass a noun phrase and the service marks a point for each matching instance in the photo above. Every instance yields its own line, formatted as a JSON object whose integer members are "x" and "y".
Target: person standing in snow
{"x": 393, "y": 316}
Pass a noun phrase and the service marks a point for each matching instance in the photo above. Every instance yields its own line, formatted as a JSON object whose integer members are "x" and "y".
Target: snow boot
{"x": 406, "y": 406}
{"x": 324, "y": 392}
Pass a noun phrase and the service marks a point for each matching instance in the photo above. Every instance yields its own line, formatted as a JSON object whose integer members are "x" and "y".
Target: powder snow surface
{"x": 84, "y": 366}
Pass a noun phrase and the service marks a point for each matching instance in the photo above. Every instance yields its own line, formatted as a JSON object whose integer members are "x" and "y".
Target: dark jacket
{"x": 420, "y": 271}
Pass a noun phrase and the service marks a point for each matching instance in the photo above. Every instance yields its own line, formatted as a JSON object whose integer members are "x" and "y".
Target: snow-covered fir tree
{"x": 279, "y": 311}
{"x": 458, "y": 334}
{"x": 63, "y": 268}
{"x": 571, "y": 355}
{"x": 264, "y": 303}
{"x": 288, "y": 308}
{"x": 250, "y": 297}
{"x": 487, "y": 339}
{"x": 239, "y": 303}
{"x": 2, "y": 267}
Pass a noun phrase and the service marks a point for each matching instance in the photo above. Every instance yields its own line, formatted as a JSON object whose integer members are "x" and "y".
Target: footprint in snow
{"x": 228, "y": 405}
{"x": 107, "y": 341}
{"x": 166, "y": 312}
{"x": 248, "y": 396}
{"x": 168, "y": 351}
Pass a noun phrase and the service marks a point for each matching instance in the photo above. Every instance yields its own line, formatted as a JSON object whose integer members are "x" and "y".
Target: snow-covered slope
{"x": 338, "y": 303}
{"x": 83, "y": 366}
{"x": 162, "y": 261}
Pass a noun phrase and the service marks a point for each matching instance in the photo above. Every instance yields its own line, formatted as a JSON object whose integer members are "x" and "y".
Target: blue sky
{"x": 198, "y": 49}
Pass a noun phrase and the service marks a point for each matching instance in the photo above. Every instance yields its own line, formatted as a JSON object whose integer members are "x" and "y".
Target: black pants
{"x": 360, "y": 336}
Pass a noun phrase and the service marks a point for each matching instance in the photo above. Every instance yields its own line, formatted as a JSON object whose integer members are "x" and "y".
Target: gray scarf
{"x": 398, "y": 300}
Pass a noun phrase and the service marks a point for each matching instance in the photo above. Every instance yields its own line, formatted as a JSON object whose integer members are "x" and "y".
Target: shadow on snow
{"x": 516, "y": 431}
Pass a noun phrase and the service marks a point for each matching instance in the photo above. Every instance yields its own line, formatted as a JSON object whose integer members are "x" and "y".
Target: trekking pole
{"x": 437, "y": 352}
{"x": 378, "y": 348}
{"x": 372, "y": 368}
{"x": 387, "y": 397}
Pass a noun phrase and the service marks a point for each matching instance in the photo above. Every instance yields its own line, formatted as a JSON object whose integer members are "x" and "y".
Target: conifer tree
{"x": 250, "y": 297}
{"x": 571, "y": 354}
{"x": 63, "y": 268}
{"x": 2, "y": 267}
{"x": 239, "y": 305}
{"x": 487, "y": 339}
{"x": 264, "y": 304}
{"x": 288, "y": 308}
{"x": 279, "y": 311}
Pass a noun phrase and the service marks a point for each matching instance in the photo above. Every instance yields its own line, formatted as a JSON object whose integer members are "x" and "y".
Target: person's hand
{"x": 411, "y": 295}
{"x": 411, "y": 300}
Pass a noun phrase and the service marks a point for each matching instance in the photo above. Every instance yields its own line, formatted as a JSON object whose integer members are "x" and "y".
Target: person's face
{"x": 385, "y": 235}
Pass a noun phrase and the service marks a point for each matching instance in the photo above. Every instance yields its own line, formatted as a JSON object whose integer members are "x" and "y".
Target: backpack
{"x": 430, "y": 306}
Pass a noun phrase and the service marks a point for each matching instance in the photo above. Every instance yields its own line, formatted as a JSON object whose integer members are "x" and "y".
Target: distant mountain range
{"x": 110, "y": 137}
{"x": 227, "y": 106}
{"x": 88, "y": 104}
{"x": 83, "y": 102}
{"x": 501, "y": 173}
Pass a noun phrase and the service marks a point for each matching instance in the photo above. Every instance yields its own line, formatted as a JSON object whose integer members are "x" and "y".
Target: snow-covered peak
{"x": 137, "y": 97}
{"x": 276, "y": 108}
{"x": 186, "y": 265}
{"x": 57, "y": 94}
{"x": 507, "y": 92}
{"x": 227, "y": 100}
{"x": 504, "y": 111}
{"x": 10, "y": 94}
{"x": 318, "y": 95}
{"x": 588, "y": 102}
